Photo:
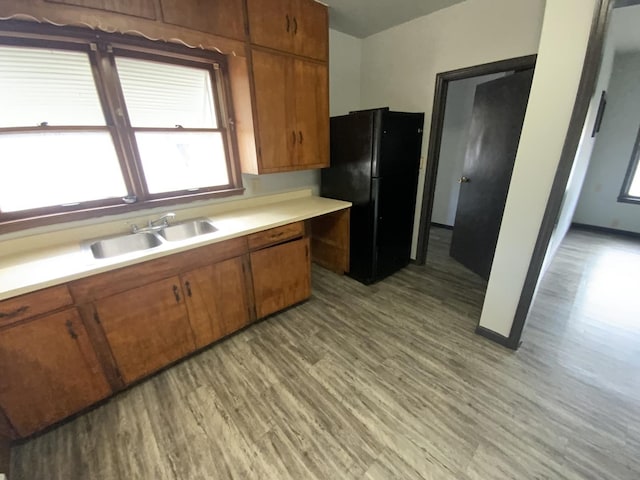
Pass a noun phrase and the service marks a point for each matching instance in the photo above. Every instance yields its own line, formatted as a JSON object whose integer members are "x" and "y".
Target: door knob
{"x": 464, "y": 180}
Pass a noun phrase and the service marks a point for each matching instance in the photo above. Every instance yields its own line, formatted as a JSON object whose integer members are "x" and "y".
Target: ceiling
{"x": 361, "y": 18}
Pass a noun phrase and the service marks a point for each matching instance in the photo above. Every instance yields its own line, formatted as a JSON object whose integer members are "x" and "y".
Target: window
{"x": 90, "y": 126}
{"x": 630, "y": 192}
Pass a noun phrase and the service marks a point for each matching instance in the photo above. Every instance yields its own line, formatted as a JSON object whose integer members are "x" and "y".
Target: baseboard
{"x": 5, "y": 456}
{"x": 611, "y": 231}
{"x": 494, "y": 337}
{"x": 442, "y": 225}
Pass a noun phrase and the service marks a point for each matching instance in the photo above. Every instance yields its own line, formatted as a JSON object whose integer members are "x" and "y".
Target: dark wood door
{"x": 498, "y": 113}
{"x": 281, "y": 276}
{"x": 147, "y": 327}
{"x": 49, "y": 371}
{"x": 217, "y": 300}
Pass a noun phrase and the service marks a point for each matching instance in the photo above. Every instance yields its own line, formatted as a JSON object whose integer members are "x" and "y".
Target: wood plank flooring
{"x": 387, "y": 382}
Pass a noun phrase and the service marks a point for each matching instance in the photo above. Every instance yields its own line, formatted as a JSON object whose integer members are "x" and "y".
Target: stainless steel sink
{"x": 114, "y": 246}
{"x": 188, "y": 229}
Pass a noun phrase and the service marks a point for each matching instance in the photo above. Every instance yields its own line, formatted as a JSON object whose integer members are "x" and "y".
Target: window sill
{"x": 14, "y": 225}
{"x": 628, "y": 199}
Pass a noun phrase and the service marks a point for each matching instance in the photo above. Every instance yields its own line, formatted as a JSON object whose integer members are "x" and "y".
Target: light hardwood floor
{"x": 388, "y": 382}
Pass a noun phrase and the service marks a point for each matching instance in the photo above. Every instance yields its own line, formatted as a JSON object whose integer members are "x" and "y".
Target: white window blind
{"x": 164, "y": 95}
{"x": 182, "y": 160}
{"x": 54, "y": 86}
{"x": 46, "y": 169}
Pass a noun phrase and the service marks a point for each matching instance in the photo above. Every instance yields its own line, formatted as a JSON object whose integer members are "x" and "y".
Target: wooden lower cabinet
{"x": 49, "y": 371}
{"x": 217, "y": 300}
{"x": 147, "y": 327}
{"x": 330, "y": 240}
{"x": 281, "y": 276}
{"x": 129, "y": 323}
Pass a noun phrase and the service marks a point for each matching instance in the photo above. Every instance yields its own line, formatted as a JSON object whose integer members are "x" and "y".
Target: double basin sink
{"x": 145, "y": 240}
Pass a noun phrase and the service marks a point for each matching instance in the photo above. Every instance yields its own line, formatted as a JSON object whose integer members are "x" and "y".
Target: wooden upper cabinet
{"x": 281, "y": 276}
{"x": 147, "y": 327}
{"x": 49, "y": 371}
{"x": 138, "y": 8}
{"x": 217, "y": 300}
{"x": 219, "y": 17}
{"x": 300, "y": 27}
{"x": 271, "y": 23}
{"x": 312, "y": 114}
{"x": 274, "y": 110}
{"x": 292, "y": 113}
{"x": 311, "y": 35}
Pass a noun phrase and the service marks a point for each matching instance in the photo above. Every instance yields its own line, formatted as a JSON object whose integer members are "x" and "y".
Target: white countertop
{"x": 45, "y": 267}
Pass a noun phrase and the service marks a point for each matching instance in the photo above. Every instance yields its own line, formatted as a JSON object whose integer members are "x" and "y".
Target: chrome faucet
{"x": 153, "y": 225}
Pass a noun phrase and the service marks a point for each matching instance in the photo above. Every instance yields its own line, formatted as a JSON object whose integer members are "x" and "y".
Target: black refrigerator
{"x": 375, "y": 158}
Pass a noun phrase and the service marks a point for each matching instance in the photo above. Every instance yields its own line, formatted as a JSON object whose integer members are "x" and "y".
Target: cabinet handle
{"x": 176, "y": 293}
{"x": 295, "y": 26}
{"x": 72, "y": 332}
{"x": 288, "y": 24}
{"x": 17, "y": 311}
{"x": 188, "y": 287}
{"x": 293, "y": 137}
{"x": 300, "y": 137}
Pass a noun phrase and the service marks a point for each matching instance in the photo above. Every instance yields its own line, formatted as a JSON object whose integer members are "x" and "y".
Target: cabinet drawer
{"x": 32, "y": 304}
{"x": 276, "y": 235}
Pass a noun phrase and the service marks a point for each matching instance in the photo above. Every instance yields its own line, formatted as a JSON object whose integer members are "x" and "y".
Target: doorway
{"x": 594, "y": 248}
{"x": 440, "y": 198}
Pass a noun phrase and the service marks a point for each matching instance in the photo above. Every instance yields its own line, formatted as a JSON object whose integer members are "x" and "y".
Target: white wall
{"x": 345, "y": 57}
{"x": 453, "y": 146}
{"x": 583, "y": 157}
{"x": 399, "y": 65}
{"x": 598, "y": 203}
{"x": 563, "y": 43}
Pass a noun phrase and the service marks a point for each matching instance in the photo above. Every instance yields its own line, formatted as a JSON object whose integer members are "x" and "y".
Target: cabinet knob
{"x": 15, "y": 312}
{"x": 176, "y": 293}
{"x": 293, "y": 137}
{"x": 187, "y": 285}
{"x": 288, "y": 23}
{"x": 72, "y": 332}
{"x": 464, "y": 180}
{"x": 295, "y": 25}
{"x": 300, "y": 137}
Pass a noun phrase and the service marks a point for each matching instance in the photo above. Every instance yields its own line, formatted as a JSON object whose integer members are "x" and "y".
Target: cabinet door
{"x": 312, "y": 114}
{"x": 49, "y": 371}
{"x": 271, "y": 23}
{"x": 311, "y": 29}
{"x": 217, "y": 300}
{"x": 273, "y": 84}
{"x": 147, "y": 327}
{"x": 281, "y": 276}
{"x": 220, "y": 17}
{"x": 140, "y": 8}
